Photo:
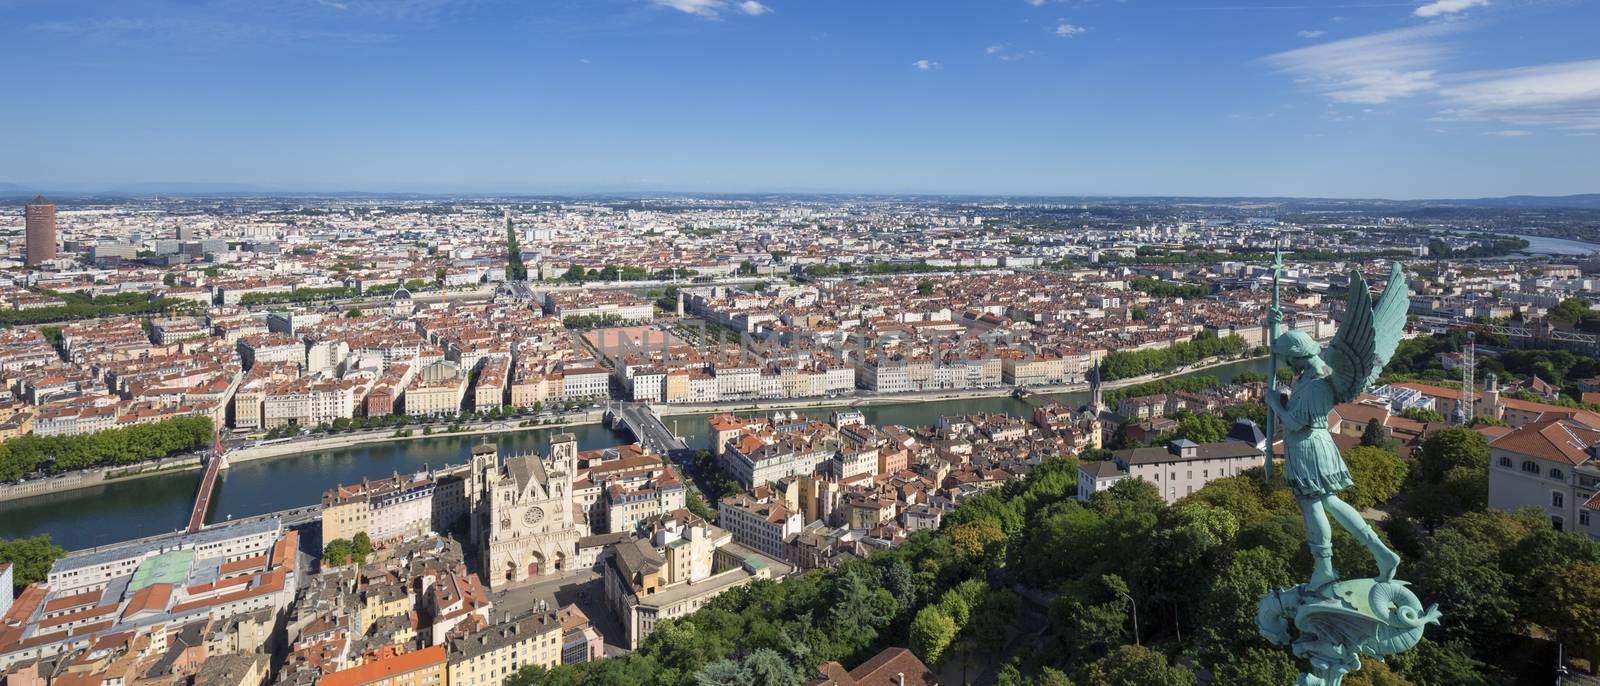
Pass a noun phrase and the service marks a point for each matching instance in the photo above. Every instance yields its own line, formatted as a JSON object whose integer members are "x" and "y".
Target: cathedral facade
{"x": 522, "y": 515}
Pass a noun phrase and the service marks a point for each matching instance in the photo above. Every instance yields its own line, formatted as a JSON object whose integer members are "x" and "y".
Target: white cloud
{"x": 993, "y": 49}
{"x": 704, "y": 8}
{"x": 1509, "y": 133}
{"x": 1037, "y": 3}
{"x": 712, "y": 9}
{"x": 1068, "y": 30}
{"x": 1310, "y": 34}
{"x": 1563, "y": 95}
{"x": 1370, "y": 69}
{"x": 925, "y": 64}
{"x": 1439, "y": 8}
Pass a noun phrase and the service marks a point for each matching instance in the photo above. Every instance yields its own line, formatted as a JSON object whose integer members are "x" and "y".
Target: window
{"x": 1557, "y": 474}
{"x": 1530, "y": 466}
{"x": 1505, "y": 462}
{"x": 1556, "y": 522}
{"x": 1583, "y": 518}
{"x": 1557, "y": 500}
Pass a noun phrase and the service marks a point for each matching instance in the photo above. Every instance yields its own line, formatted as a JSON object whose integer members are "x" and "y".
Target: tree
{"x": 769, "y": 668}
{"x": 1378, "y": 476}
{"x": 1460, "y": 490}
{"x": 1050, "y": 676}
{"x": 1373, "y": 436}
{"x": 697, "y": 506}
{"x": 1570, "y": 310}
{"x": 1256, "y": 667}
{"x": 723, "y": 672}
{"x": 1421, "y": 414}
{"x": 1431, "y": 663}
{"x": 1450, "y": 448}
{"x": 1572, "y": 608}
{"x": 1229, "y": 603}
{"x": 337, "y": 553}
{"x": 1247, "y": 376}
{"x": 30, "y": 559}
{"x": 980, "y": 545}
{"x": 925, "y": 288}
{"x": 361, "y": 547}
{"x": 1202, "y": 428}
{"x": 1375, "y": 673}
{"x": 1460, "y": 569}
{"x": 1135, "y": 666}
{"x": 931, "y": 633}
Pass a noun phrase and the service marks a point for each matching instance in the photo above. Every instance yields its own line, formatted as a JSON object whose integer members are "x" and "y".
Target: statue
{"x": 1338, "y": 621}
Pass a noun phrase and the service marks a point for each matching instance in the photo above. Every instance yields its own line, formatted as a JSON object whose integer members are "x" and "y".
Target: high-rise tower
{"x": 41, "y": 230}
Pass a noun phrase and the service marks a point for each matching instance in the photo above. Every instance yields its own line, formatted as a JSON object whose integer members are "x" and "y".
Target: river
{"x": 1559, "y": 247}
{"x": 152, "y": 505}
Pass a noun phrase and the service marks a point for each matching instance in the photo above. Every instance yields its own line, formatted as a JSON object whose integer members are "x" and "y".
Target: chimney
{"x": 900, "y": 679}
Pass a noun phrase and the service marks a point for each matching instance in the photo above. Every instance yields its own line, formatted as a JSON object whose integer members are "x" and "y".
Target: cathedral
{"x": 522, "y": 516}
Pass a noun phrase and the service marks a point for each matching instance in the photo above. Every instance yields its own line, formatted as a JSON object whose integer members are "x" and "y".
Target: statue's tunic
{"x": 1314, "y": 467}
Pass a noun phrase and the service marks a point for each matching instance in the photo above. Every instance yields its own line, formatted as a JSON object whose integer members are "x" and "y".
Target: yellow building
{"x": 488, "y": 656}
{"x": 343, "y": 517}
{"x": 676, "y": 389}
{"x": 382, "y": 600}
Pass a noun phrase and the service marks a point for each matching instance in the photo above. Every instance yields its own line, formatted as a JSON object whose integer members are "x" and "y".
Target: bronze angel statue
{"x": 1315, "y": 471}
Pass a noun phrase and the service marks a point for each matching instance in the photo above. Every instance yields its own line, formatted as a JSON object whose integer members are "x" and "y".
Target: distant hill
{"x": 1586, "y": 201}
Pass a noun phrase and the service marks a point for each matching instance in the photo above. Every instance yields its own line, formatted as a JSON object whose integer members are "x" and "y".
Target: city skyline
{"x": 1403, "y": 100}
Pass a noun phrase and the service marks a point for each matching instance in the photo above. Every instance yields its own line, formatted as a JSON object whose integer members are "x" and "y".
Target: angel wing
{"x": 1368, "y": 336}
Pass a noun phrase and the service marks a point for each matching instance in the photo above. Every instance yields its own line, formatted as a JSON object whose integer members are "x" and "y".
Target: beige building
{"x": 680, "y": 567}
{"x": 488, "y": 656}
{"x": 759, "y": 524}
{"x": 395, "y": 508}
{"x": 1180, "y": 468}
{"x": 523, "y": 518}
{"x": 437, "y": 389}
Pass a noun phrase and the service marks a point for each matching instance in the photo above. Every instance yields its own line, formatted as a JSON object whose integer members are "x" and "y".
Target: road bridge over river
{"x": 646, "y": 427}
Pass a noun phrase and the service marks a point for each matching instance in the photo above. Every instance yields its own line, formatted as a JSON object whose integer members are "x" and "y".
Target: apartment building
{"x": 1550, "y": 466}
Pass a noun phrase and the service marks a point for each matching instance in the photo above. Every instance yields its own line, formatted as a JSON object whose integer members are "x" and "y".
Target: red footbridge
{"x": 215, "y": 461}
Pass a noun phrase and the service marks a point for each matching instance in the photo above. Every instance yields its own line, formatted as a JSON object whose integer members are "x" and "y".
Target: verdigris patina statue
{"x": 1338, "y": 621}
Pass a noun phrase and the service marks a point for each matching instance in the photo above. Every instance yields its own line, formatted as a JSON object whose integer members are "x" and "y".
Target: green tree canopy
{"x": 30, "y": 559}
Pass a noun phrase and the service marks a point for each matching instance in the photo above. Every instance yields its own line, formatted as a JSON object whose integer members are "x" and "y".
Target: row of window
{"x": 1531, "y": 467}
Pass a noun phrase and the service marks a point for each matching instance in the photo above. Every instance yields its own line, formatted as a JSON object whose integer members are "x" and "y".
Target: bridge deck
{"x": 648, "y": 429}
{"x": 208, "y": 486}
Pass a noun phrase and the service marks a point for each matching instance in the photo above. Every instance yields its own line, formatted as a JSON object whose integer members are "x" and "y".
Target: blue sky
{"x": 1430, "y": 98}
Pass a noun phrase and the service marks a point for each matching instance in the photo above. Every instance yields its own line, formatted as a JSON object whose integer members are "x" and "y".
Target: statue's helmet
{"x": 1296, "y": 345}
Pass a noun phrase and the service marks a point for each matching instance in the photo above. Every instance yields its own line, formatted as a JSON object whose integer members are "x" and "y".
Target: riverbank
{"x": 928, "y": 396}
{"x": 99, "y": 477}
{"x": 90, "y": 478}
{"x": 352, "y": 440}
{"x": 131, "y": 508}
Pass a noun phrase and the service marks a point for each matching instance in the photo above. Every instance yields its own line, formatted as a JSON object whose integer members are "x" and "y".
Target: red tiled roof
{"x": 388, "y": 667}
{"x": 1555, "y": 440}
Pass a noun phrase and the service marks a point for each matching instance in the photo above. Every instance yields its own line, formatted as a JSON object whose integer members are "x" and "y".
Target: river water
{"x": 1558, "y": 246}
{"x": 134, "y": 508}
